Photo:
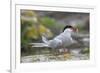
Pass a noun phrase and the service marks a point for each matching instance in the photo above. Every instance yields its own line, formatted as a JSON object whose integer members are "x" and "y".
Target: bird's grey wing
{"x": 55, "y": 43}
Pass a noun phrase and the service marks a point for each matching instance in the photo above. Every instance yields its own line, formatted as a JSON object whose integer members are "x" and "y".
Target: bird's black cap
{"x": 67, "y": 26}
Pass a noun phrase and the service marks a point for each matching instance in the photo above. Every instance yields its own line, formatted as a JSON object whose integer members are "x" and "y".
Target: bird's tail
{"x": 44, "y": 39}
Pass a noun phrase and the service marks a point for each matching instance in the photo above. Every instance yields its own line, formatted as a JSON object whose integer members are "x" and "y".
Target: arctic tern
{"x": 63, "y": 40}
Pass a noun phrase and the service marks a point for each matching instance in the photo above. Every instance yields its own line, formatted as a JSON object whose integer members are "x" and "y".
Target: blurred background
{"x": 36, "y": 23}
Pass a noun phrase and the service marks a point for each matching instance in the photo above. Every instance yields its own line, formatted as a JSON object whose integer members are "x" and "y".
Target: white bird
{"x": 63, "y": 40}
